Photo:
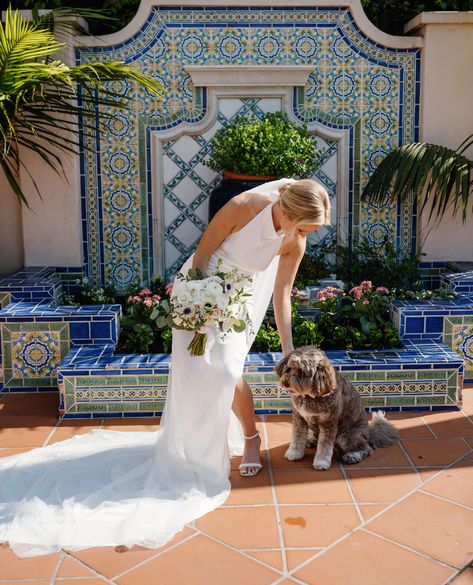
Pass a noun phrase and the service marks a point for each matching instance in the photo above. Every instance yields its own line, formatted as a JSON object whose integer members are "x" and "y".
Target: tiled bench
{"x": 447, "y": 321}
{"x": 460, "y": 282}
{"x": 34, "y": 285}
{"x": 94, "y": 383}
{"x": 35, "y": 338}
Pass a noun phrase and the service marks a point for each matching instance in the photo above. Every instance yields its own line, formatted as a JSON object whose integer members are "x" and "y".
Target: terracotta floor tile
{"x": 243, "y": 527}
{"x": 287, "y": 582}
{"x": 455, "y": 483}
{"x": 12, "y": 567}
{"x": 72, "y": 568}
{"x": 250, "y": 490}
{"x": 200, "y": 561}
{"x": 278, "y": 427}
{"x": 465, "y": 578}
{"x": 316, "y": 526}
{"x": 389, "y": 457}
{"x": 278, "y": 461}
{"x": 30, "y": 403}
{"x": 82, "y": 581}
{"x": 432, "y": 526}
{"x": 296, "y": 557}
{"x": 307, "y": 486}
{"x": 131, "y": 424}
{"x": 427, "y": 473}
{"x": 29, "y": 582}
{"x": 25, "y": 431}
{"x": 449, "y": 424}
{"x": 370, "y": 510}
{"x": 13, "y": 451}
{"x": 410, "y": 425}
{"x": 368, "y": 560}
{"x": 106, "y": 561}
{"x": 270, "y": 557}
{"x": 435, "y": 452}
{"x": 69, "y": 428}
{"x": 381, "y": 485}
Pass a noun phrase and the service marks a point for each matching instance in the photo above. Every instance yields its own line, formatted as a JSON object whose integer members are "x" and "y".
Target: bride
{"x": 108, "y": 488}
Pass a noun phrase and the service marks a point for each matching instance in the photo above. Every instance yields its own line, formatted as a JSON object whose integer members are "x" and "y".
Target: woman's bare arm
{"x": 287, "y": 270}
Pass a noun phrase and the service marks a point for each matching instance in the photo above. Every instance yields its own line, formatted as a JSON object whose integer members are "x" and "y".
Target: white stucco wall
{"x": 11, "y": 233}
{"x": 446, "y": 116}
{"x": 52, "y": 228}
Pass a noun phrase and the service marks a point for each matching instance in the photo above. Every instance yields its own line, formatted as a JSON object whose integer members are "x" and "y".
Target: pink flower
{"x": 145, "y": 292}
{"x": 168, "y": 289}
{"x": 148, "y": 302}
{"x": 356, "y": 292}
{"x": 366, "y": 302}
{"x": 156, "y": 298}
{"x": 382, "y": 289}
{"x": 367, "y": 284}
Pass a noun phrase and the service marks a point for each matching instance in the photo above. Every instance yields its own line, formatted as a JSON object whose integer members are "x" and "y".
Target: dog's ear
{"x": 325, "y": 377}
{"x": 281, "y": 366}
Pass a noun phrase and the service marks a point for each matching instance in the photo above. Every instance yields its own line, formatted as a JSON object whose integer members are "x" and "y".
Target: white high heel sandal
{"x": 246, "y": 466}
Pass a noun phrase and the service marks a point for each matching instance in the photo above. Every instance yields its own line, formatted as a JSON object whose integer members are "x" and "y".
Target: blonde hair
{"x": 305, "y": 201}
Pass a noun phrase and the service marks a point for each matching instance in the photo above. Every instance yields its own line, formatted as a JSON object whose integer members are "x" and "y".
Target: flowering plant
{"x": 199, "y": 302}
{"x": 358, "y": 318}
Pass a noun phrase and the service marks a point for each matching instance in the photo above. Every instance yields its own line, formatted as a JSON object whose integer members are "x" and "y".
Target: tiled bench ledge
{"x": 448, "y": 321}
{"x": 426, "y": 319}
{"x": 460, "y": 282}
{"x": 38, "y": 284}
{"x": 94, "y": 383}
{"x": 34, "y": 339}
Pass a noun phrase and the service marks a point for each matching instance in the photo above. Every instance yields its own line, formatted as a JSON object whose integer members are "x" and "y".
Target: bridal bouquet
{"x": 198, "y": 302}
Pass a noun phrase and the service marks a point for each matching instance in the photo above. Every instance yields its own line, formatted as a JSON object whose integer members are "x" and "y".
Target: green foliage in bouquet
{"x": 270, "y": 147}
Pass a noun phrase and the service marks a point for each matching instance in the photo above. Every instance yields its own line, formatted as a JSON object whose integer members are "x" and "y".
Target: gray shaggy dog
{"x": 328, "y": 412}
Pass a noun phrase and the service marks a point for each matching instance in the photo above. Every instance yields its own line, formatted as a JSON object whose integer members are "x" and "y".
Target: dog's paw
{"x": 321, "y": 464}
{"x": 356, "y": 456}
{"x": 294, "y": 454}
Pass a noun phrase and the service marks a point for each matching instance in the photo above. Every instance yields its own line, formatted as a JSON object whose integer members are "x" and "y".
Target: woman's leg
{"x": 244, "y": 409}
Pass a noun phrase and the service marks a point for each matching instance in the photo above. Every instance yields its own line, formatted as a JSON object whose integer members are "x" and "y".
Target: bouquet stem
{"x": 197, "y": 345}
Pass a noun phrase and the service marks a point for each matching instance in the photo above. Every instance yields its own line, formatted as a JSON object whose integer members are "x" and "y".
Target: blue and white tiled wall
{"x": 358, "y": 87}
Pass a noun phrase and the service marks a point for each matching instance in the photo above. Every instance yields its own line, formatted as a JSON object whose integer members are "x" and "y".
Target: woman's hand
{"x": 287, "y": 270}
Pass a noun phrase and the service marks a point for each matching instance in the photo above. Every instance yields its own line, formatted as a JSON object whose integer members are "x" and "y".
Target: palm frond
{"x": 438, "y": 176}
{"x": 39, "y": 107}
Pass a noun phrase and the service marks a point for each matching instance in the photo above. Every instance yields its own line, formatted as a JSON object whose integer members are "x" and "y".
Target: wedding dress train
{"x": 140, "y": 488}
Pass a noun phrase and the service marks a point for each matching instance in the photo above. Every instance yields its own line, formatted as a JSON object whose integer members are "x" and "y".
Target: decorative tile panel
{"x": 36, "y": 338}
{"x": 5, "y": 299}
{"x": 31, "y": 354}
{"x": 458, "y": 334}
{"x": 358, "y": 87}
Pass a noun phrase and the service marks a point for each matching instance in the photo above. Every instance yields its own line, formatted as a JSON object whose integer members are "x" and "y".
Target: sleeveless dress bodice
{"x": 253, "y": 247}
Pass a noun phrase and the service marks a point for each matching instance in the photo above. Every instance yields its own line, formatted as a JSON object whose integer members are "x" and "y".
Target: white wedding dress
{"x": 140, "y": 488}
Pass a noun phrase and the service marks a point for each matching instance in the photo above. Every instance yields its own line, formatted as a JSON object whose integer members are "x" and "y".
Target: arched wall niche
{"x": 144, "y": 184}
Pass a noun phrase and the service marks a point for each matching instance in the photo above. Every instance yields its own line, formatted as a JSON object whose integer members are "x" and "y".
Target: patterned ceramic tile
{"x": 31, "y": 354}
{"x": 358, "y": 86}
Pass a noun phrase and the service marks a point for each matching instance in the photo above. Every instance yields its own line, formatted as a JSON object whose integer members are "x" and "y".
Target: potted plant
{"x": 250, "y": 151}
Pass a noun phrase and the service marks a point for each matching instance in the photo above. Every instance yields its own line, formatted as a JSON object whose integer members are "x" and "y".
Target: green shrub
{"x": 266, "y": 340}
{"x": 272, "y": 146}
{"x": 383, "y": 266}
